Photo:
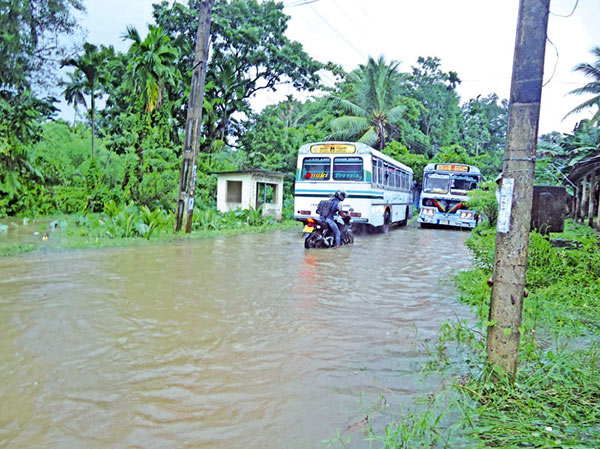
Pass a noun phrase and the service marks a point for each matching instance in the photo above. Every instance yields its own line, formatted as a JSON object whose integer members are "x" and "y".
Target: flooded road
{"x": 239, "y": 342}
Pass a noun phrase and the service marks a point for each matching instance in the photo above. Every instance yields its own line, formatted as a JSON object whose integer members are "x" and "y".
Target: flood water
{"x": 239, "y": 342}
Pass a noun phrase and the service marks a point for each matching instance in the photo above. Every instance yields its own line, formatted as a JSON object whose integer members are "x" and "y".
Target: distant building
{"x": 251, "y": 189}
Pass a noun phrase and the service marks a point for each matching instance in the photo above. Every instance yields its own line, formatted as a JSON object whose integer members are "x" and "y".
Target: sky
{"x": 474, "y": 38}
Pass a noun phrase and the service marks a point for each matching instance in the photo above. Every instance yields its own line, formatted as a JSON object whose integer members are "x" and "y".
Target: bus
{"x": 378, "y": 188}
{"x": 444, "y": 193}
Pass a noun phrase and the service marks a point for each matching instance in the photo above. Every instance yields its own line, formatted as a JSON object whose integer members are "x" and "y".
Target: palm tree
{"x": 74, "y": 91}
{"x": 152, "y": 66}
{"x": 373, "y": 106}
{"x": 91, "y": 65}
{"x": 593, "y": 88}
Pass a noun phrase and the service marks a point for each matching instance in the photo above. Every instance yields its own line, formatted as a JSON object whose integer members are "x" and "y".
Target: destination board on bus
{"x": 333, "y": 148}
{"x": 452, "y": 167}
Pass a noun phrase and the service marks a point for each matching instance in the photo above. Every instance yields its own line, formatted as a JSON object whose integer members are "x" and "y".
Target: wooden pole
{"x": 189, "y": 164}
{"x": 584, "y": 195}
{"x": 577, "y": 202}
{"x": 516, "y": 189}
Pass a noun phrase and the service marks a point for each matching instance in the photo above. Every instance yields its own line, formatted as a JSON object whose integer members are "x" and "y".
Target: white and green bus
{"x": 378, "y": 188}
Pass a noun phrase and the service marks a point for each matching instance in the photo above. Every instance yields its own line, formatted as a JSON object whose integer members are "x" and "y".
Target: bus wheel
{"x": 405, "y": 220}
{"x": 386, "y": 222}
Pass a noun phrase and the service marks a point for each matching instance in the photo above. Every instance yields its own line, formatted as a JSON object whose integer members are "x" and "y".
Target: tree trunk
{"x": 93, "y": 106}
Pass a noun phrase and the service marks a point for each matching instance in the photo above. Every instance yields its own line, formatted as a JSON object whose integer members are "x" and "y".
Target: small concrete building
{"x": 251, "y": 189}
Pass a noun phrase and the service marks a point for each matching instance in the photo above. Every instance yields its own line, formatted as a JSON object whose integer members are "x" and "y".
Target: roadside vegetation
{"x": 555, "y": 399}
{"x": 127, "y": 152}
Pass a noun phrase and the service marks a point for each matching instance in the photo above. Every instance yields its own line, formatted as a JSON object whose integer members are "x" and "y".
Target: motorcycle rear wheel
{"x": 314, "y": 240}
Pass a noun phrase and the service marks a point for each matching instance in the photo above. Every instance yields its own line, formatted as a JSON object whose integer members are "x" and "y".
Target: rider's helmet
{"x": 340, "y": 195}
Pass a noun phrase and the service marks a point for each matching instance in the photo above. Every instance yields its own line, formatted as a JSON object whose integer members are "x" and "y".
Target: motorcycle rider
{"x": 336, "y": 207}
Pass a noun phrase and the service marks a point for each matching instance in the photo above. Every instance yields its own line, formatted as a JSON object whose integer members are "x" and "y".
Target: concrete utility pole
{"x": 516, "y": 188}
{"x": 189, "y": 164}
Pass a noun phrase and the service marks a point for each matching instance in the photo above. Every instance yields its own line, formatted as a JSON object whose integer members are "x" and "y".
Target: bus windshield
{"x": 436, "y": 183}
{"x": 461, "y": 184}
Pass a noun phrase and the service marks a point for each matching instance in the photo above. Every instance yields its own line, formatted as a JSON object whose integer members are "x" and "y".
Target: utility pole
{"x": 516, "y": 188}
{"x": 193, "y": 123}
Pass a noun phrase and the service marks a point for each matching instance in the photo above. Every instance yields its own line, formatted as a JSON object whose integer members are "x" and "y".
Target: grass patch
{"x": 555, "y": 399}
{"x": 126, "y": 225}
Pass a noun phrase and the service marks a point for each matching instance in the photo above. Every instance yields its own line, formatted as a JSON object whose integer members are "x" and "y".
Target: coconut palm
{"x": 91, "y": 64}
{"x": 152, "y": 66}
{"x": 373, "y": 105}
{"x": 593, "y": 71}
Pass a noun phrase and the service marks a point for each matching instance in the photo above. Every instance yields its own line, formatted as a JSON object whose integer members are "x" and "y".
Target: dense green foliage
{"x": 555, "y": 400}
{"x": 484, "y": 201}
{"x": 134, "y": 141}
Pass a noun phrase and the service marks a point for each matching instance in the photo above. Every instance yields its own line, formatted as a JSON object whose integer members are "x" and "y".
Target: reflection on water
{"x": 249, "y": 341}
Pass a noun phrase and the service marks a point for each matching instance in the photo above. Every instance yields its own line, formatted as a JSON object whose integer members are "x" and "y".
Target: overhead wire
{"x": 346, "y": 14}
{"x": 363, "y": 9}
{"x": 568, "y": 15}
{"x": 552, "y": 43}
{"x": 555, "y": 62}
{"x": 299, "y": 3}
{"x": 358, "y": 52}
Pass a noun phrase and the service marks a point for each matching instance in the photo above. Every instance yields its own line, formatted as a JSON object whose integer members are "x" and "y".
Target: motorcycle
{"x": 321, "y": 235}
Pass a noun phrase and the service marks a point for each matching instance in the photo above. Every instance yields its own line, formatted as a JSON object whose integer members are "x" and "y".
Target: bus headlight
{"x": 466, "y": 215}
{"x": 427, "y": 211}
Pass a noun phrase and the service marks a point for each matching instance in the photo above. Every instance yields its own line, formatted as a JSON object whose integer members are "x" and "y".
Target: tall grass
{"x": 555, "y": 399}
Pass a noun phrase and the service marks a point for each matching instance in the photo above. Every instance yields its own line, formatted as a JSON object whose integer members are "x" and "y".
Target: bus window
{"x": 436, "y": 183}
{"x": 348, "y": 168}
{"x": 316, "y": 168}
{"x": 387, "y": 181}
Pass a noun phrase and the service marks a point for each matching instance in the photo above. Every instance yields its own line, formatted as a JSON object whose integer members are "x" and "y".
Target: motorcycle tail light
{"x": 310, "y": 221}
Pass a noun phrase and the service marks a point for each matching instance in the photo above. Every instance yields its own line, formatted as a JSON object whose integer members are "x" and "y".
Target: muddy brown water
{"x": 238, "y": 342}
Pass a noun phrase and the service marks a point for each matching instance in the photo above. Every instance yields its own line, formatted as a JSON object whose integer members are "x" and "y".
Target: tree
{"x": 19, "y": 129}
{"x": 374, "y": 106}
{"x": 31, "y": 32}
{"x": 151, "y": 67}
{"x": 272, "y": 138}
{"x": 249, "y": 53}
{"x": 91, "y": 65}
{"x": 591, "y": 70}
{"x": 435, "y": 90}
{"x": 483, "y": 125}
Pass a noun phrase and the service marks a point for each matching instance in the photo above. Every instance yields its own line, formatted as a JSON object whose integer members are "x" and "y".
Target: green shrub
{"x": 483, "y": 200}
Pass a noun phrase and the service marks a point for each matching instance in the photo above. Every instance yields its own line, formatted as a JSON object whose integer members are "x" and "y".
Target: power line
{"x": 363, "y": 10}
{"x": 568, "y": 15}
{"x": 346, "y": 14}
{"x": 358, "y": 52}
{"x": 299, "y": 3}
{"x": 555, "y": 63}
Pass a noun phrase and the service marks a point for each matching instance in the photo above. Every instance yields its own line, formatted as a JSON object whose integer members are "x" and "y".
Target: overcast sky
{"x": 475, "y": 38}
